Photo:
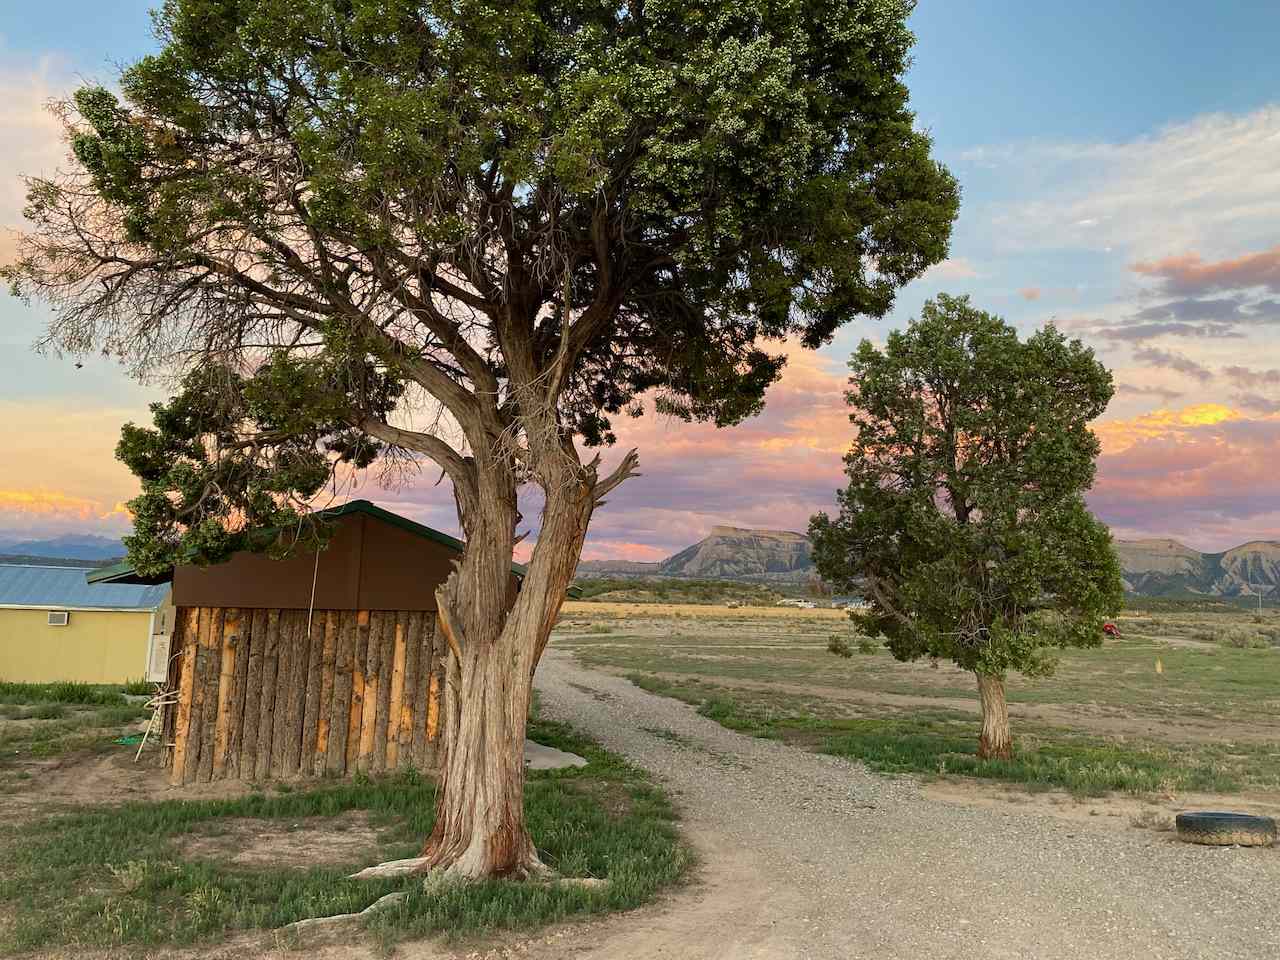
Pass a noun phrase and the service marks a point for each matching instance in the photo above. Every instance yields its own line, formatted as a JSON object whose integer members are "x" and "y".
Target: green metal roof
{"x": 125, "y": 573}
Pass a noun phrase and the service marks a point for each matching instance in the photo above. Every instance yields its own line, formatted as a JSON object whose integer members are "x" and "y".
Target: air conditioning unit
{"x": 158, "y": 659}
{"x": 59, "y": 618}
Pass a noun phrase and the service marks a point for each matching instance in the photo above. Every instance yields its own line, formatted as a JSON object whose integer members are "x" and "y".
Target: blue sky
{"x": 1118, "y": 168}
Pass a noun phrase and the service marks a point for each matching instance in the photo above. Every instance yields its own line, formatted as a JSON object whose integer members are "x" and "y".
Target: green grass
{"x": 63, "y": 730}
{"x": 1211, "y": 681}
{"x": 936, "y": 742}
{"x": 121, "y": 878}
{"x": 90, "y": 694}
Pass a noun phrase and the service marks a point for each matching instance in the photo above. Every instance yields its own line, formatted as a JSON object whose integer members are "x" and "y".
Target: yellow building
{"x": 56, "y": 626}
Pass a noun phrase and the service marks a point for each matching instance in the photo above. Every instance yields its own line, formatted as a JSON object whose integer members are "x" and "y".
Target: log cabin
{"x": 321, "y": 664}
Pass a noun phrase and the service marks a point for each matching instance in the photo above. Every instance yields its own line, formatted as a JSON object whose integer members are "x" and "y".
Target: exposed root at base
{"x": 392, "y": 868}
{"x": 314, "y": 923}
{"x": 433, "y": 878}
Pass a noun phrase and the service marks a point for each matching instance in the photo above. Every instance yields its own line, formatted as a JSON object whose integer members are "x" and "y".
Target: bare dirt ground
{"x": 311, "y": 841}
{"x": 808, "y": 856}
{"x": 77, "y": 779}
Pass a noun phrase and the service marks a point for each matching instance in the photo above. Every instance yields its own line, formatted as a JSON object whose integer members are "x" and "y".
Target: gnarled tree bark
{"x": 995, "y": 743}
{"x": 496, "y": 642}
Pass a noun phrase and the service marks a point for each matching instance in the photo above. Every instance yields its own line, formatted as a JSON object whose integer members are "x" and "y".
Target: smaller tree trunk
{"x": 996, "y": 743}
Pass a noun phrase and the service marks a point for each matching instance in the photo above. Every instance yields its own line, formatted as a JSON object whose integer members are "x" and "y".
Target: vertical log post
{"x": 211, "y": 643}
{"x": 395, "y": 700}
{"x": 356, "y": 719}
{"x": 335, "y": 761}
{"x": 189, "y": 640}
{"x": 315, "y": 763}
{"x": 267, "y": 701}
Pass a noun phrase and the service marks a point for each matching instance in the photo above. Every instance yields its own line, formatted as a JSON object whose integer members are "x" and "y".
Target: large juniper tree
{"x": 964, "y": 519}
{"x": 473, "y": 233}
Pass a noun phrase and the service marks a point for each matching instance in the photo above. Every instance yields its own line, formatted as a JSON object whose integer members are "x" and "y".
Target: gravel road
{"x": 815, "y": 857}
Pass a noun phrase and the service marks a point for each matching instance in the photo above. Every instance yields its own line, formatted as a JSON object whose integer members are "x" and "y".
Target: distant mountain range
{"x": 1154, "y": 568}
{"x": 728, "y": 553}
{"x": 1167, "y": 568}
{"x": 70, "y": 546}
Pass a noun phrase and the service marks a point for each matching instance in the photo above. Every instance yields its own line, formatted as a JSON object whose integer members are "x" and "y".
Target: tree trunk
{"x": 995, "y": 742}
{"x": 494, "y": 650}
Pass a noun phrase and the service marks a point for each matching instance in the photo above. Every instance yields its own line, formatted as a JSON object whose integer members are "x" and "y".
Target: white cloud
{"x": 1211, "y": 184}
{"x": 953, "y": 268}
{"x": 30, "y": 134}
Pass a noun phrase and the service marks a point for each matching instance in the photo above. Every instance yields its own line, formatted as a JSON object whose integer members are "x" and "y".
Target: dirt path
{"x": 811, "y": 856}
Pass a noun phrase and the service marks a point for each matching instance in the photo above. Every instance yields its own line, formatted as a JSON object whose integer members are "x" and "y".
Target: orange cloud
{"x": 1030, "y": 293}
{"x": 52, "y": 504}
{"x": 1189, "y": 273}
{"x": 1119, "y": 435}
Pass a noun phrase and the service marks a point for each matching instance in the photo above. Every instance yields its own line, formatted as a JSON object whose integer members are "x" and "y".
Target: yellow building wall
{"x": 96, "y": 646}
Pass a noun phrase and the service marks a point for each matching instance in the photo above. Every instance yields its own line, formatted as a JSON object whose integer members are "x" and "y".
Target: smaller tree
{"x": 964, "y": 520}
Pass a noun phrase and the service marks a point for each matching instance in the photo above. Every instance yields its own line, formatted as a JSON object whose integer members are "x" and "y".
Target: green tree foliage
{"x": 964, "y": 520}
{"x": 439, "y": 190}
{"x": 473, "y": 233}
{"x": 255, "y": 448}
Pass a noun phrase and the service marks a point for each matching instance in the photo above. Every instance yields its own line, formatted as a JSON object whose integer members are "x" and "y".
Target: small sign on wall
{"x": 158, "y": 663}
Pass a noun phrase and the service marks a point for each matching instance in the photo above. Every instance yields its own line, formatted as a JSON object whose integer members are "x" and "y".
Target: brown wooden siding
{"x": 260, "y": 696}
{"x": 367, "y": 565}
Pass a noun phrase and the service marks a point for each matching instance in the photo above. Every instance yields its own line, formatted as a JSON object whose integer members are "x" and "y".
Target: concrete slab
{"x": 540, "y": 757}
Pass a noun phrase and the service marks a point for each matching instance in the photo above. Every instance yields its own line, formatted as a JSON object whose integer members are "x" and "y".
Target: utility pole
{"x": 1258, "y": 590}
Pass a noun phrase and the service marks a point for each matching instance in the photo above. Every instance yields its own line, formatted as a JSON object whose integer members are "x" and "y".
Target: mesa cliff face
{"x": 1156, "y": 568}
{"x": 1167, "y": 568}
{"x": 731, "y": 553}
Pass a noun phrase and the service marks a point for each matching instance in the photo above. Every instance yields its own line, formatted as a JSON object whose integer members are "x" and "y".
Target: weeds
{"x": 87, "y": 694}
{"x": 122, "y": 876}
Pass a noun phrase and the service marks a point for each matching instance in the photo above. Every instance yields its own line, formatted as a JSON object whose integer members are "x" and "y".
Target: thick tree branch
{"x": 624, "y": 471}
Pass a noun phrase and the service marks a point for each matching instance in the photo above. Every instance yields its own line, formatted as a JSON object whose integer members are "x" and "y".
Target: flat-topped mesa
{"x": 1165, "y": 567}
{"x": 722, "y": 530}
{"x": 741, "y": 553}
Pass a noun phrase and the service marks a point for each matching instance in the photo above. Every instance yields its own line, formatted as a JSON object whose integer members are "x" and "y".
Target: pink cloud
{"x": 1189, "y": 273}
{"x": 1204, "y": 474}
{"x": 773, "y": 471}
{"x": 1030, "y": 293}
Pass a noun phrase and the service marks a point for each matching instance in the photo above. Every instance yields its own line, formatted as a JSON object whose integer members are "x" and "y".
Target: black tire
{"x": 1226, "y": 829}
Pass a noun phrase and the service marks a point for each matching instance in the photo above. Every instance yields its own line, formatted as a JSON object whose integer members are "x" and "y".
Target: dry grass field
{"x": 1185, "y": 704}
{"x": 606, "y": 610}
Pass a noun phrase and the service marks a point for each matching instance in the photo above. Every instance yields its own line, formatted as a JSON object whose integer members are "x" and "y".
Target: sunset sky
{"x": 1120, "y": 166}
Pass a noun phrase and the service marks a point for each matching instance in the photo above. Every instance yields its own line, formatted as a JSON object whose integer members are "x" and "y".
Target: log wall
{"x": 261, "y": 696}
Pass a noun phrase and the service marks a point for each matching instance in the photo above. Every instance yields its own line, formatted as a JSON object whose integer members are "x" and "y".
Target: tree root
{"x": 392, "y": 868}
{"x": 403, "y": 868}
{"x": 314, "y": 923}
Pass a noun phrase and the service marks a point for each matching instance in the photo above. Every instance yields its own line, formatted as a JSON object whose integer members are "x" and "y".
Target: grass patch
{"x": 85, "y": 694}
{"x": 937, "y": 742}
{"x": 63, "y": 730}
{"x": 121, "y": 877}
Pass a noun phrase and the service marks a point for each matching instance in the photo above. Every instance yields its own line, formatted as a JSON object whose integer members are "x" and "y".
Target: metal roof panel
{"x": 30, "y": 585}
